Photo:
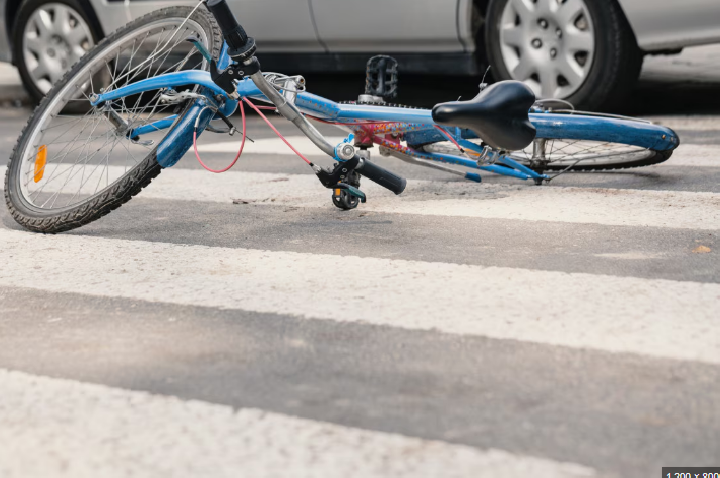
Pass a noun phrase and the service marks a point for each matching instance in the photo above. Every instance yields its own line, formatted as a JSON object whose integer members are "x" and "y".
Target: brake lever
{"x": 226, "y": 78}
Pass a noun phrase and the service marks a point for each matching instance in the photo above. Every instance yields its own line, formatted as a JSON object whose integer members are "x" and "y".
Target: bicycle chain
{"x": 372, "y": 103}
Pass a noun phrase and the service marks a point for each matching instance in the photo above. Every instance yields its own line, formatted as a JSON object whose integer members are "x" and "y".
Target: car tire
{"x": 615, "y": 63}
{"x": 66, "y": 48}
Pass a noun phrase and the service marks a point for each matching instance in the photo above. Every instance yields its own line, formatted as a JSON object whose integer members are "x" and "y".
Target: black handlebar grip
{"x": 381, "y": 176}
{"x": 233, "y": 32}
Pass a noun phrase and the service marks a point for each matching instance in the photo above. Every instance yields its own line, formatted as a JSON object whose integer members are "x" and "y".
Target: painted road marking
{"x": 662, "y": 318}
{"x": 54, "y": 427}
{"x": 688, "y": 123}
{"x": 615, "y": 207}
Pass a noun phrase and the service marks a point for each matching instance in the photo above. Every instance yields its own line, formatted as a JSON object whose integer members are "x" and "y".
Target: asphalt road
{"x": 240, "y": 325}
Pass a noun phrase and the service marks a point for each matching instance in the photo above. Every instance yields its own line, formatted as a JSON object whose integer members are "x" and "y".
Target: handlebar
{"x": 381, "y": 176}
{"x": 241, "y": 49}
{"x": 234, "y": 34}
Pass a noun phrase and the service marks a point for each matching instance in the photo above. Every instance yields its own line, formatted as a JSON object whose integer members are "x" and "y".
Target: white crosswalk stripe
{"x": 694, "y": 155}
{"x": 688, "y": 123}
{"x": 620, "y": 314}
{"x": 617, "y": 207}
{"x": 459, "y": 199}
{"x": 274, "y": 146}
{"x": 142, "y": 435}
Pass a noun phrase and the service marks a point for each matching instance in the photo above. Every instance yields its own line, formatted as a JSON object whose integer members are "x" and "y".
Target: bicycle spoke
{"x": 85, "y": 153}
{"x": 566, "y": 153}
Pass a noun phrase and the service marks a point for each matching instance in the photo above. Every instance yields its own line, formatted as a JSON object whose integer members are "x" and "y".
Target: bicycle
{"x": 136, "y": 103}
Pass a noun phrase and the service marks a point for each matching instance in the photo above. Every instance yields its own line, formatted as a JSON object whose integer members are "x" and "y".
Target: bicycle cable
{"x": 449, "y": 136}
{"x": 244, "y": 132}
{"x": 242, "y": 145}
{"x": 267, "y": 121}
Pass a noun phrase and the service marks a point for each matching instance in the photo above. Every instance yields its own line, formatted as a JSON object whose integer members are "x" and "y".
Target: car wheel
{"x": 49, "y": 37}
{"x": 582, "y": 51}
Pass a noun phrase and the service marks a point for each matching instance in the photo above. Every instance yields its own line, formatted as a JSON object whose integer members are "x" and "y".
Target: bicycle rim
{"x": 572, "y": 154}
{"x": 69, "y": 158}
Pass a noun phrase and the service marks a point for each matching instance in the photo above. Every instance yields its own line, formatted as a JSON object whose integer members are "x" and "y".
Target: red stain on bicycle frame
{"x": 365, "y": 134}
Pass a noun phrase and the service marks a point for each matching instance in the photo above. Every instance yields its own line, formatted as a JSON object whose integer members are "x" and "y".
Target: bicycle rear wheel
{"x": 583, "y": 155}
{"x": 74, "y": 163}
{"x": 588, "y": 143}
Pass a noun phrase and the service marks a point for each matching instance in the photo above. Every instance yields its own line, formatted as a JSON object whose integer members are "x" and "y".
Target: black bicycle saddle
{"x": 498, "y": 115}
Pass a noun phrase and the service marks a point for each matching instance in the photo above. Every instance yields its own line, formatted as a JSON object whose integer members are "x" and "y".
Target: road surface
{"x": 240, "y": 325}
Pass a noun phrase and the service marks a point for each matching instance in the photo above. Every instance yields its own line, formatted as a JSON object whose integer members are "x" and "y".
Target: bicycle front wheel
{"x": 73, "y": 162}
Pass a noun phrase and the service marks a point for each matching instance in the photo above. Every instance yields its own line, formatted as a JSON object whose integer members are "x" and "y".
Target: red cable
{"x": 448, "y": 136}
{"x": 242, "y": 146}
{"x": 273, "y": 128}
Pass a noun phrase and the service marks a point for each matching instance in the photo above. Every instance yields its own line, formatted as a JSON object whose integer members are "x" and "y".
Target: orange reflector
{"x": 337, "y": 191}
{"x": 40, "y": 160}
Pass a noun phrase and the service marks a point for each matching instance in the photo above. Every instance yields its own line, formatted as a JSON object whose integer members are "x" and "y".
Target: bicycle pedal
{"x": 339, "y": 188}
{"x": 381, "y": 76}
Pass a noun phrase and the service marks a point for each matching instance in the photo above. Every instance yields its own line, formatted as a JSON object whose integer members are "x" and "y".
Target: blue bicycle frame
{"x": 379, "y": 123}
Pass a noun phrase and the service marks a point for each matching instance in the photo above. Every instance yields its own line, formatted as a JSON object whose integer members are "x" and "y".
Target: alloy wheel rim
{"x": 548, "y": 44}
{"x": 55, "y": 38}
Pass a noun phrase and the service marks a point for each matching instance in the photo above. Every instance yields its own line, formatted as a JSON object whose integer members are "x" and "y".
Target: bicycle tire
{"x": 656, "y": 157}
{"x": 134, "y": 179}
{"x": 627, "y": 144}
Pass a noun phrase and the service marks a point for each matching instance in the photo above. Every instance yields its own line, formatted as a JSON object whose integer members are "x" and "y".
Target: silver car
{"x": 588, "y": 52}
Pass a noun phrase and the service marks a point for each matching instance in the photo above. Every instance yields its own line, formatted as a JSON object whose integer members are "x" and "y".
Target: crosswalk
{"x": 676, "y": 209}
{"x": 664, "y": 333}
{"x": 399, "y": 293}
{"x": 214, "y": 440}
